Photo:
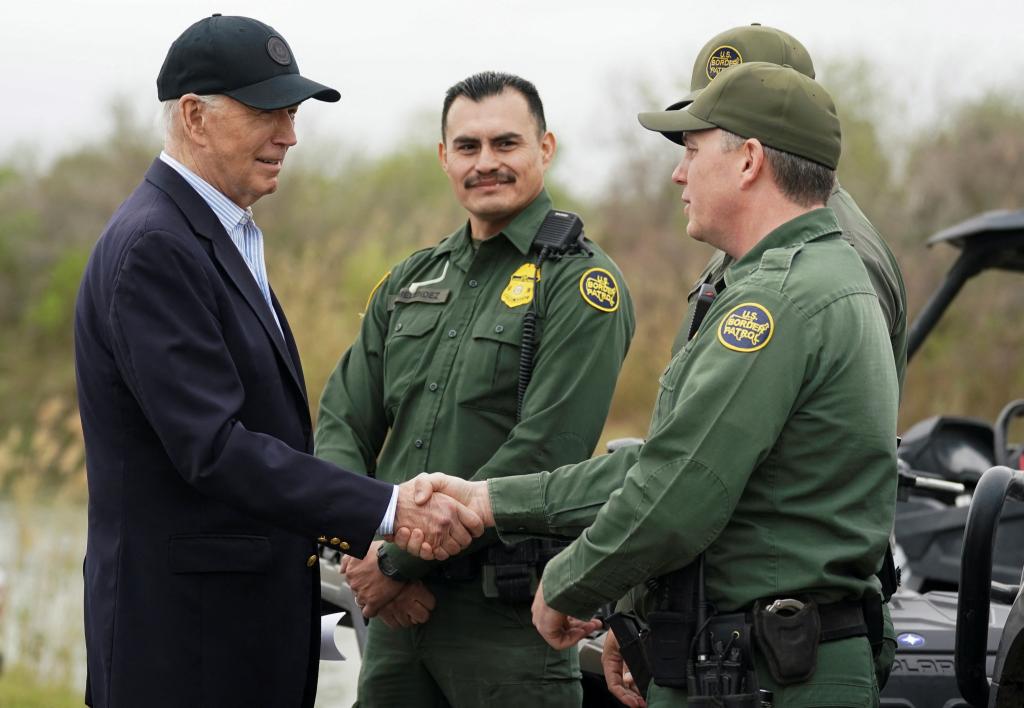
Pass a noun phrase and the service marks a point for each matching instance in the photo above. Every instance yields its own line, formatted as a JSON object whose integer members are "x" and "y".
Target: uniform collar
{"x": 796, "y": 232}
{"x": 519, "y": 232}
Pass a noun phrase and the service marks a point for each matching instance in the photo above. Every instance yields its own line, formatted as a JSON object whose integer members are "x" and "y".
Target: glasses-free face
{"x": 495, "y": 158}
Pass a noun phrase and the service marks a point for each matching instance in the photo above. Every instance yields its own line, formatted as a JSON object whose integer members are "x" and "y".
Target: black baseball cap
{"x": 239, "y": 57}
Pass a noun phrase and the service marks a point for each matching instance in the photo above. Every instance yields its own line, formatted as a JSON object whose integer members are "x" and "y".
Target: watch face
{"x": 385, "y": 565}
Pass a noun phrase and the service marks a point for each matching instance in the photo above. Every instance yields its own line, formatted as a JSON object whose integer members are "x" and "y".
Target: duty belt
{"x": 512, "y": 570}
{"x": 842, "y": 620}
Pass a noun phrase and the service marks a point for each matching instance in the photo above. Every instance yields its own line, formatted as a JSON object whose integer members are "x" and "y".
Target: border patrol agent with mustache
{"x": 431, "y": 383}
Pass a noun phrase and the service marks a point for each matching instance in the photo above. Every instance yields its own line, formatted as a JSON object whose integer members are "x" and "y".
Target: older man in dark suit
{"x": 205, "y": 504}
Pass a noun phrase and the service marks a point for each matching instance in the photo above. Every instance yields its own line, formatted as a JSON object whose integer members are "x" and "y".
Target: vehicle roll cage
{"x": 996, "y": 486}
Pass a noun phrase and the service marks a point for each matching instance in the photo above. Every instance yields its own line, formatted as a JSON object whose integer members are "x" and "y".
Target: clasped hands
{"x": 438, "y": 515}
{"x": 424, "y": 492}
{"x": 396, "y": 603}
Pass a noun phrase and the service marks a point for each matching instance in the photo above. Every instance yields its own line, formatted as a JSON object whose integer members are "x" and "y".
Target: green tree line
{"x": 339, "y": 223}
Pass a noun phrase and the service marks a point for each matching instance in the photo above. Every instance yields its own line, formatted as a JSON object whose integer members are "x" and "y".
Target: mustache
{"x": 500, "y": 176}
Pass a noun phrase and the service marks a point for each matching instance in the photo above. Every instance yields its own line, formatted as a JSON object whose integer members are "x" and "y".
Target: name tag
{"x": 429, "y": 296}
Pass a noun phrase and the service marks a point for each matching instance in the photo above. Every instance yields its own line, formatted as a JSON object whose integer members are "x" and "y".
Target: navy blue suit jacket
{"x": 205, "y": 502}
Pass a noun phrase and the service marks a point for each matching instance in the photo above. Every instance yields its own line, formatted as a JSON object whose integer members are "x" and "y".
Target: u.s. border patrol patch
{"x": 519, "y": 290}
{"x": 747, "y": 328}
{"x": 721, "y": 59}
{"x": 599, "y": 289}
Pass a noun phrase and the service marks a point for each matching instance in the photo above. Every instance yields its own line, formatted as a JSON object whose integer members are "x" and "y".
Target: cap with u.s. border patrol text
{"x": 775, "y": 104}
{"x": 239, "y": 57}
{"x": 745, "y": 43}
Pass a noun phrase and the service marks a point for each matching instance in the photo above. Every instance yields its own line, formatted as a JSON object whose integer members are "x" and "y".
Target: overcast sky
{"x": 392, "y": 61}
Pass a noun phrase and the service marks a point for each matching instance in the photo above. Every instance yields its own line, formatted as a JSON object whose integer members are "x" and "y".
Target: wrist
{"x": 387, "y": 567}
{"x": 482, "y": 503}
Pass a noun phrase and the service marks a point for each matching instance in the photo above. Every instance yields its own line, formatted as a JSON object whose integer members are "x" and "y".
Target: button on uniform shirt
{"x": 437, "y": 359}
{"x": 771, "y": 446}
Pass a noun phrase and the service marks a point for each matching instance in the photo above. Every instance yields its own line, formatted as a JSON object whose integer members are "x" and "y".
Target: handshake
{"x": 439, "y": 515}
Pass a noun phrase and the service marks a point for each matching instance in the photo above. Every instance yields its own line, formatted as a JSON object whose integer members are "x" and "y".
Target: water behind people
{"x": 41, "y": 551}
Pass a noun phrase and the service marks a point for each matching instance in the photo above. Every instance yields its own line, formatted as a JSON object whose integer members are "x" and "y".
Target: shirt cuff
{"x": 387, "y": 524}
{"x": 518, "y": 506}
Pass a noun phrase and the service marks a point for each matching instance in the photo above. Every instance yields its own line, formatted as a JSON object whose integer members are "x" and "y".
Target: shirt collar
{"x": 803, "y": 229}
{"x": 228, "y": 213}
{"x": 519, "y": 232}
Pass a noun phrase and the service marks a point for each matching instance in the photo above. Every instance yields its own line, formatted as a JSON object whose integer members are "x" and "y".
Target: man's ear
{"x": 548, "y": 147}
{"x": 192, "y": 115}
{"x": 752, "y": 154}
{"x": 442, "y": 156}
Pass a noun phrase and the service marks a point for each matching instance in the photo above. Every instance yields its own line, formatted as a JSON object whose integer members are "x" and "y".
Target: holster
{"x": 672, "y": 624}
{"x": 632, "y": 638}
{"x": 671, "y": 634}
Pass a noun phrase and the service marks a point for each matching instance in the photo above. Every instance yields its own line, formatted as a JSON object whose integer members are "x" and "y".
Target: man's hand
{"x": 617, "y": 676}
{"x": 412, "y": 606}
{"x": 370, "y": 587}
{"x": 438, "y": 526}
{"x": 472, "y": 494}
{"x": 557, "y": 629}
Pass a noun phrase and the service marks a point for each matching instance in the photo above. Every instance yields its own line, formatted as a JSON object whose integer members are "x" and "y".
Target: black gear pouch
{"x": 788, "y": 638}
{"x": 669, "y": 649}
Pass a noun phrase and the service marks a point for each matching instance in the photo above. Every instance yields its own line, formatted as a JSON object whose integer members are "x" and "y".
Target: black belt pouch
{"x": 789, "y": 641}
{"x": 669, "y": 648}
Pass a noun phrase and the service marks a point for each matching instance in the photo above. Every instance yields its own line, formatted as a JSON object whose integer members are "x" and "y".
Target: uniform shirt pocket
{"x": 489, "y": 378}
{"x": 404, "y": 347}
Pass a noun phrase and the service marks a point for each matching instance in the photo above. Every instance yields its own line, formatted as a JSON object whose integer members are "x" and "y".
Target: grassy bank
{"x": 19, "y": 688}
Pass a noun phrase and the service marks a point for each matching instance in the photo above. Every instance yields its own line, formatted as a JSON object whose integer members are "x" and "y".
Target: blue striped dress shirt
{"x": 237, "y": 222}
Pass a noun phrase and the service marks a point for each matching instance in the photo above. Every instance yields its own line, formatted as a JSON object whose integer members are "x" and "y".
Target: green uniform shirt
{"x": 770, "y": 448}
{"x": 437, "y": 359}
{"x": 883, "y": 270}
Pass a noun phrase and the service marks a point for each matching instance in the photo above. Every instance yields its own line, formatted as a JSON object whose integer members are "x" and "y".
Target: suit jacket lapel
{"x": 206, "y": 224}
{"x": 289, "y": 339}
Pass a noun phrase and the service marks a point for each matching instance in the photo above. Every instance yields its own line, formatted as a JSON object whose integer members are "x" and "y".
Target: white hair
{"x": 170, "y": 112}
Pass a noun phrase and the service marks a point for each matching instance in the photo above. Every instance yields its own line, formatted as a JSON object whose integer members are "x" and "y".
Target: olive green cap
{"x": 775, "y": 104}
{"x": 746, "y": 43}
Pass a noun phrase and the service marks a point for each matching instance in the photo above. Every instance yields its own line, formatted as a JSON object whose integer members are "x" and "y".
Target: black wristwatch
{"x": 387, "y": 567}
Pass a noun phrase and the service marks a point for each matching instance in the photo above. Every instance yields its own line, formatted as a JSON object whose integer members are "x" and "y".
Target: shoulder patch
{"x": 599, "y": 289}
{"x": 746, "y": 328}
{"x": 721, "y": 59}
{"x": 519, "y": 290}
{"x": 373, "y": 292}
